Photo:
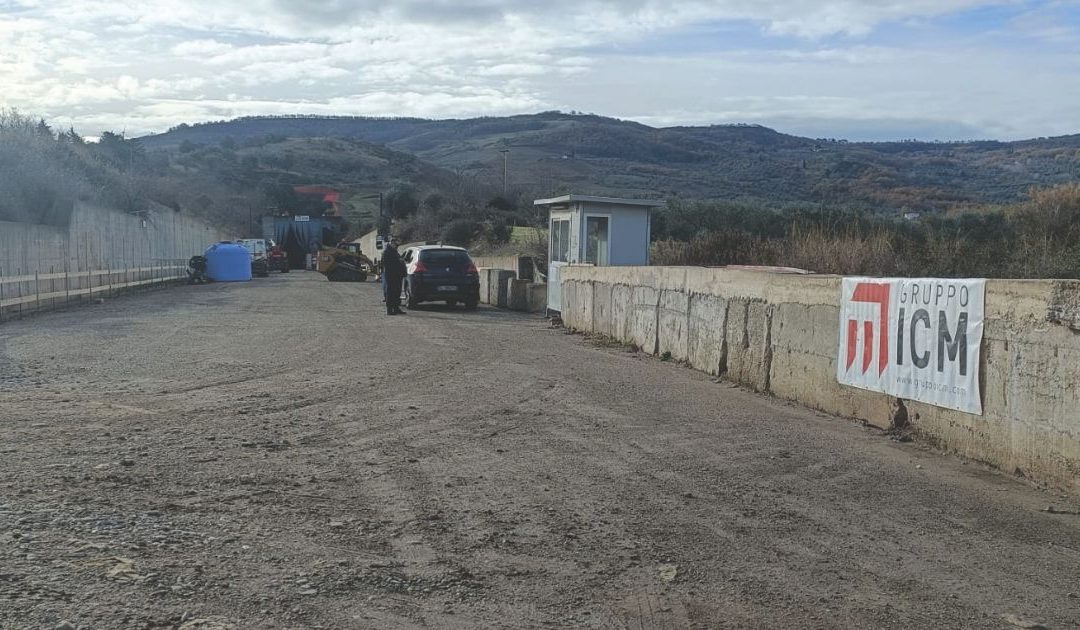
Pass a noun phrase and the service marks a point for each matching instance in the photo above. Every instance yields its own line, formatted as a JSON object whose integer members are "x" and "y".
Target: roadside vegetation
{"x": 42, "y": 171}
{"x": 1036, "y": 238}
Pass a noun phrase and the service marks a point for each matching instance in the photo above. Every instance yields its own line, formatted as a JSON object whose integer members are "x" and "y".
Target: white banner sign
{"x": 914, "y": 338}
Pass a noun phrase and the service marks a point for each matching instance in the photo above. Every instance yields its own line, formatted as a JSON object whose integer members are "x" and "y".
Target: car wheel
{"x": 470, "y": 305}
{"x": 451, "y": 303}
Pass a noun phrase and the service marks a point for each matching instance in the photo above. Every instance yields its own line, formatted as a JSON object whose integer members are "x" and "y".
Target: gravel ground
{"x": 280, "y": 454}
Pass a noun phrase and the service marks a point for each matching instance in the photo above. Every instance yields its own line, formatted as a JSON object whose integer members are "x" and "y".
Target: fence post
{"x": 37, "y": 292}
{"x": 1, "y": 293}
{"x": 18, "y": 273}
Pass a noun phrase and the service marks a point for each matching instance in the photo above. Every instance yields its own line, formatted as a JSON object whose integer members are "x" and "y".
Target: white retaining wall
{"x": 100, "y": 250}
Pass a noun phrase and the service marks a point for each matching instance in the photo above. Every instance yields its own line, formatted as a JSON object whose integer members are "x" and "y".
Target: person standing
{"x": 393, "y": 269}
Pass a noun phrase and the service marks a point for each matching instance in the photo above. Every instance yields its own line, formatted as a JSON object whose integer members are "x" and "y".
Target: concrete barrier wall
{"x": 98, "y": 248}
{"x": 521, "y": 266}
{"x": 504, "y": 288}
{"x": 99, "y": 238}
{"x": 778, "y": 334}
{"x": 526, "y": 296}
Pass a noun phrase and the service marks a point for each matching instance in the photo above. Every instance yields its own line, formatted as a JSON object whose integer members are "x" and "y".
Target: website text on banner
{"x": 914, "y": 338}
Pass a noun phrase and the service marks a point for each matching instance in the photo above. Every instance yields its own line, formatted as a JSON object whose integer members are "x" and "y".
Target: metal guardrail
{"x": 22, "y": 293}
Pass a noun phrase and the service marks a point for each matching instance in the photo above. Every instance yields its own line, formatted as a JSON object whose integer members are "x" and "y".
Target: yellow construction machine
{"x": 344, "y": 263}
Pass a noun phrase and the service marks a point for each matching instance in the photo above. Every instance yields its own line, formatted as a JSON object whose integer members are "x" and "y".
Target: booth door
{"x": 554, "y": 286}
{"x": 559, "y": 255}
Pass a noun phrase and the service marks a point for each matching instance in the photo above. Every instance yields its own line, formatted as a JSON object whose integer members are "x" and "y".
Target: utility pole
{"x": 504, "y": 152}
{"x": 380, "y": 224}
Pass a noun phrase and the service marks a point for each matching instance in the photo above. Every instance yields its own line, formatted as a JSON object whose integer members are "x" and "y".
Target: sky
{"x": 854, "y": 69}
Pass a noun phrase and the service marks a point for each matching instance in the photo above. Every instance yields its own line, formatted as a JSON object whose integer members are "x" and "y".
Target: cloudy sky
{"x": 857, "y": 69}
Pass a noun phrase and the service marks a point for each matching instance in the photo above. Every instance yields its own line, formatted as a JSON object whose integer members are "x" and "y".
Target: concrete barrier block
{"x": 620, "y": 309}
{"x": 503, "y": 296}
{"x": 497, "y": 283}
{"x": 641, "y": 318}
{"x": 811, "y": 328}
{"x": 517, "y": 294}
{"x": 672, "y": 324}
{"x": 811, "y": 380}
{"x": 522, "y": 266}
{"x": 577, "y": 305}
{"x": 526, "y": 296}
{"x": 749, "y": 345}
{"x": 537, "y": 292}
{"x": 485, "y": 283}
{"x": 566, "y": 289}
{"x": 738, "y": 340}
{"x": 601, "y": 316}
{"x": 706, "y": 325}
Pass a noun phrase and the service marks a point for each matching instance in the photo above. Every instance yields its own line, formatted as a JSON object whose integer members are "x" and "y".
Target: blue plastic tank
{"x": 228, "y": 262}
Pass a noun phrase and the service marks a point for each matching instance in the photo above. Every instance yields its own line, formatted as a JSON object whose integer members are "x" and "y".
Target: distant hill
{"x": 552, "y": 152}
{"x": 227, "y": 179}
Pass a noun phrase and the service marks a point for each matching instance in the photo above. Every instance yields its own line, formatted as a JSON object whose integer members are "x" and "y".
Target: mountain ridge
{"x": 555, "y": 152}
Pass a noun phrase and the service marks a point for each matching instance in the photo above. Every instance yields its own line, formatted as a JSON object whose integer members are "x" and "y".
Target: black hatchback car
{"x": 440, "y": 273}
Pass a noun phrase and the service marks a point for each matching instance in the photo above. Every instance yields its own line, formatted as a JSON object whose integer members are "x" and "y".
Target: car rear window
{"x": 444, "y": 257}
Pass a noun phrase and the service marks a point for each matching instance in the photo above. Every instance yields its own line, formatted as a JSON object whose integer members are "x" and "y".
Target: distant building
{"x": 329, "y": 195}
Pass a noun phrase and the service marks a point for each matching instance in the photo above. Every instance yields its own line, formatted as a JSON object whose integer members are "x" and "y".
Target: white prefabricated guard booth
{"x": 594, "y": 231}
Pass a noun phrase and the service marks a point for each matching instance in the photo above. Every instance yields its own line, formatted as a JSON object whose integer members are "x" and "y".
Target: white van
{"x": 257, "y": 249}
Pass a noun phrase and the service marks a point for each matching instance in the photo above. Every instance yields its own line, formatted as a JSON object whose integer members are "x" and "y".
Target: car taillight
{"x": 471, "y": 269}
{"x": 419, "y": 268}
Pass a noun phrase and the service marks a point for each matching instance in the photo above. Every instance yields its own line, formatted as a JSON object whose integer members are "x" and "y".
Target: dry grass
{"x": 847, "y": 253}
{"x": 715, "y": 249}
{"x": 1038, "y": 238}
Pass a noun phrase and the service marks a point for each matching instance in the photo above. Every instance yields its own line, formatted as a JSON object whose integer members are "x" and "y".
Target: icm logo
{"x": 875, "y": 294}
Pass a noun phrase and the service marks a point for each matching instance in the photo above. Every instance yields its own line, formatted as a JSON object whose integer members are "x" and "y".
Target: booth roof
{"x": 615, "y": 201}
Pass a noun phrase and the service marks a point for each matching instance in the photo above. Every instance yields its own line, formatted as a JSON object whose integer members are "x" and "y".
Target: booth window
{"x": 596, "y": 240}
{"x": 560, "y": 240}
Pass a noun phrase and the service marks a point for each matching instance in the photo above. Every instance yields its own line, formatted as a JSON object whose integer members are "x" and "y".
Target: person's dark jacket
{"x": 393, "y": 266}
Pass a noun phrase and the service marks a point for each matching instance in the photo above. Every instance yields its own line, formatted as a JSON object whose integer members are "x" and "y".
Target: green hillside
{"x": 552, "y": 153}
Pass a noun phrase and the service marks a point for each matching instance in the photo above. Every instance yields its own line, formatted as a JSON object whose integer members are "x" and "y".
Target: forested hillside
{"x": 553, "y": 152}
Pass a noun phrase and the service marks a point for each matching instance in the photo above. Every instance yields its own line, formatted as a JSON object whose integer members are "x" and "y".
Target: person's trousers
{"x": 392, "y": 292}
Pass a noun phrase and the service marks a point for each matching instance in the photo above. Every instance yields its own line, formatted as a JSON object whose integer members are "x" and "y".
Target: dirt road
{"x": 279, "y": 454}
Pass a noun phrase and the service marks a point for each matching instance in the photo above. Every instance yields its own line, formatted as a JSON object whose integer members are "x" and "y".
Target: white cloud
{"x": 512, "y": 70}
{"x": 200, "y": 49}
{"x": 956, "y": 93}
{"x": 150, "y": 64}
